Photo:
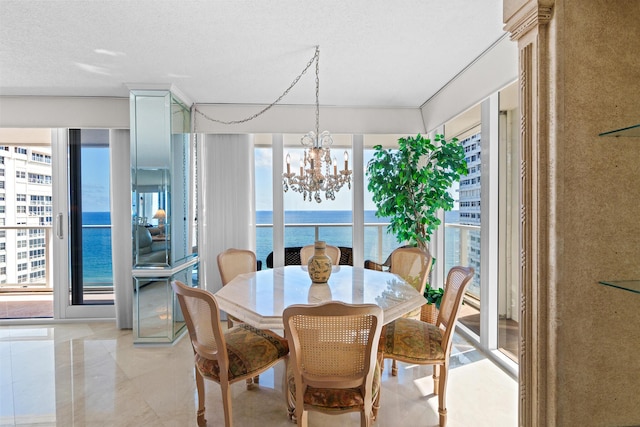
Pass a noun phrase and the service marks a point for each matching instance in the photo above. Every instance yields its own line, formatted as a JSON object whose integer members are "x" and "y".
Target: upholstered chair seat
{"x": 249, "y": 349}
{"x": 413, "y": 341}
{"x": 335, "y": 398}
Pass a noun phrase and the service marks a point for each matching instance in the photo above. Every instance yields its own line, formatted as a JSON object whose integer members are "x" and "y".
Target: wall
{"x": 597, "y": 195}
{"x": 103, "y": 112}
{"x": 492, "y": 71}
{"x": 580, "y": 75}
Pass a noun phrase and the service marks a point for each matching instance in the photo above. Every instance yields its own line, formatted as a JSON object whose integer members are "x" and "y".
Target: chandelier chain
{"x": 315, "y": 58}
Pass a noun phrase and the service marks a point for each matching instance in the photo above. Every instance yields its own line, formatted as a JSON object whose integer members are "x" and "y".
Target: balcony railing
{"x": 32, "y": 272}
{"x": 36, "y": 273}
{"x": 462, "y": 247}
{"x": 378, "y": 243}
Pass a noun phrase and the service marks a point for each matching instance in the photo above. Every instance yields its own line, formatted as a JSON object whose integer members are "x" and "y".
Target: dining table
{"x": 260, "y": 297}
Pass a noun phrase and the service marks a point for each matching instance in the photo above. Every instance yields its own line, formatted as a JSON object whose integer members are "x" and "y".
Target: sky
{"x": 95, "y": 179}
{"x": 95, "y": 182}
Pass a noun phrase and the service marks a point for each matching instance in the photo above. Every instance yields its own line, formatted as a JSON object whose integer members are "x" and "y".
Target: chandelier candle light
{"x": 311, "y": 181}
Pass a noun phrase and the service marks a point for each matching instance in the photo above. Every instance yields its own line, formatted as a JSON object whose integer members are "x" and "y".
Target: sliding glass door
{"x": 83, "y": 285}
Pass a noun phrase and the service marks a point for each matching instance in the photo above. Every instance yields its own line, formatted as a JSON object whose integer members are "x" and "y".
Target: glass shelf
{"x": 627, "y": 285}
{"x": 628, "y": 131}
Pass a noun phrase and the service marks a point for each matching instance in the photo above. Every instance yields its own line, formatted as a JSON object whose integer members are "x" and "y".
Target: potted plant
{"x": 412, "y": 183}
{"x": 429, "y": 311}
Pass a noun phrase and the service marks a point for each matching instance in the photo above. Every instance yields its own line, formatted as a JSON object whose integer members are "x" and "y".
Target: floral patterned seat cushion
{"x": 249, "y": 349}
{"x": 333, "y": 398}
{"x": 412, "y": 341}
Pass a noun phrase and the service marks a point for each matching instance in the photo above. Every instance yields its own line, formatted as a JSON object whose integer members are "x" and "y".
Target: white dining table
{"x": 259, "y": 298}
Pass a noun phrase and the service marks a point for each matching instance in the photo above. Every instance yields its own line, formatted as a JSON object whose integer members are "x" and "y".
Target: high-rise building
{"x": 26, "y": 211}
{"x": 470, "y": 206}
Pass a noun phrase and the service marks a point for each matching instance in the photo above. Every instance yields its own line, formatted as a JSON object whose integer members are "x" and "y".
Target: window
{"x": 40, "y": 200}
{"x": 39, "y": 210}
{"x": 20, "y": 150}
{"x": 21, "y": 175}
{"x": 35, "y": 178}
{"x": 21, "y": 209}
{"x": 22, "y": 266}
{"x": 22, "y": 255}
{"x": 21, "y": 244}
{"x": 37, "y": 253}
{"x": 21, "y": 197}
{"x": 41, "y": 158}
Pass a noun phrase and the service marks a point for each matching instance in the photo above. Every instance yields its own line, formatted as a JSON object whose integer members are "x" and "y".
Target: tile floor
{"x": 91, "y": 374}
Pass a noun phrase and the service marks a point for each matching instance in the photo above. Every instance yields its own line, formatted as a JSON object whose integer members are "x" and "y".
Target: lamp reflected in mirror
{"x": 161, "y": 216}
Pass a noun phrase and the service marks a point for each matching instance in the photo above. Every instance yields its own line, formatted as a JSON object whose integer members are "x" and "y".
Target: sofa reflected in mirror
{"x": 152, "y": 246}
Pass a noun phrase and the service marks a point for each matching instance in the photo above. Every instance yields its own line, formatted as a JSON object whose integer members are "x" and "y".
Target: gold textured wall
{"x": 597, "y": 49}
{"x": 580, "y": 222}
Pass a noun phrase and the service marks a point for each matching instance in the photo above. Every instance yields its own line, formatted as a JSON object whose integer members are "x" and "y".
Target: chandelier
{"x": 318, "y": 171}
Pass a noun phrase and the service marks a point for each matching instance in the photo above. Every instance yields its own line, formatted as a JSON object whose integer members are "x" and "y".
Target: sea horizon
{"x": 97, "y": 240}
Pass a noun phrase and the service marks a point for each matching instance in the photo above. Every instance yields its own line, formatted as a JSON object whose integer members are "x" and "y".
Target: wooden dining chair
{"x": 413, "y": 265}
{"x": 236, "y": 354}
{"x": 422, "y": 343}
{"x": 307, "y": 252}
{"x": 231, "y": 263}
{"x": 333, "y": 366}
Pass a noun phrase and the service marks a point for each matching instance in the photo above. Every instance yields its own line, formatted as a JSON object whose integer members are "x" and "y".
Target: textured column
{"x": 526, "y": 21}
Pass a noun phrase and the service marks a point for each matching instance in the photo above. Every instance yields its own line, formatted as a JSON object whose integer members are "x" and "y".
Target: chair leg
{"x": 436, "y": 378}
{"x": 303, "y": 418}
{"x": 226, "y": 404}
{"x": 442, "y": 396}
{"x": 376, "y": 406}
{"x": 289, "y": 400}
{"x": 200, "y": 387}
{"x": 365, "y": 418}
{"x": 394, "y": 368}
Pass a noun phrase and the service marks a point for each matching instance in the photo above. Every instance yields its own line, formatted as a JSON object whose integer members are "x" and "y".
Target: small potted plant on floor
{"x": 429, "y": 311}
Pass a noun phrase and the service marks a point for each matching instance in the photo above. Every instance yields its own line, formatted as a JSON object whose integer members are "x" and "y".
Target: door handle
{"x": 59, "y": 228}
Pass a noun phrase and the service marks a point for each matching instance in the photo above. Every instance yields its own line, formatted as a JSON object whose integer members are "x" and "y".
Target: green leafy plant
{"x": 411, "y": 184}
{"x": 433, "y": 295}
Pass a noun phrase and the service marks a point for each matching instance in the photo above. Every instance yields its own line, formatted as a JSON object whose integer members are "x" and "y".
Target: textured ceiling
{"x": 373, "y": 53}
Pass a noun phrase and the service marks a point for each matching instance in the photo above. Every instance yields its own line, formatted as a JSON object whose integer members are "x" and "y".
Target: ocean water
{"x": 96, "y": 249}
{"x": 335, "y": 228}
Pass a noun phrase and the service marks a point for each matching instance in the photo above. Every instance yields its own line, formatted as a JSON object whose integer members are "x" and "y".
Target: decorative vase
{"x": 319, "y": 293}
{"x": 319, "y": 265}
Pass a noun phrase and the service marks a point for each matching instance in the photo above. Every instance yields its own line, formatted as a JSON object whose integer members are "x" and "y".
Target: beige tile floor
{"x": 91, "y": 374}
